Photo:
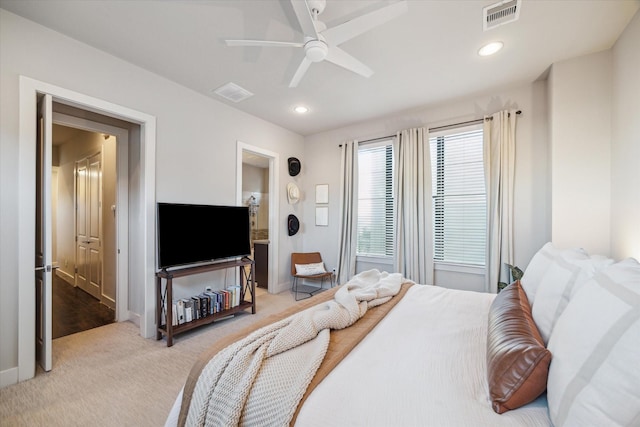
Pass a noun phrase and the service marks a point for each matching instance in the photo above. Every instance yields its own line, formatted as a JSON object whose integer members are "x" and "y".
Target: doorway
{"x": 259, "y": 167}
{"x": 84, "y": 224}
{"x": 255, "y": 195}
{"x": 137, "y": 246}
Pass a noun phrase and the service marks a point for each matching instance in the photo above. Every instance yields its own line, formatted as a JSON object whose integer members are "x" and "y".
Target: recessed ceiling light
{"x": 301, "y": 109}
{"x": 490, "y": 48}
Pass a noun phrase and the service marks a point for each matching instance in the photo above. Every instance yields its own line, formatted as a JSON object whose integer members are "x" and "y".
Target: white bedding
{"x": 423, "y": 365}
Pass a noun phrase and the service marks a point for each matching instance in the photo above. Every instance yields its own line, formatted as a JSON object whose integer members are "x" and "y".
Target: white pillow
{"x": 538, "y": 267}
{"x": 310, "y": 269}
{"x": 568, "y": 271}
{"x": 594, "y": 373}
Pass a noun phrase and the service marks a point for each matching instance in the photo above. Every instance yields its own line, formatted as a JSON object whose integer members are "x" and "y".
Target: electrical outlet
{"x": 207, "y": 289}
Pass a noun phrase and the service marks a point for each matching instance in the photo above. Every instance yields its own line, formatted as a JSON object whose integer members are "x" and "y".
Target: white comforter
{"x": 423, "y": 365}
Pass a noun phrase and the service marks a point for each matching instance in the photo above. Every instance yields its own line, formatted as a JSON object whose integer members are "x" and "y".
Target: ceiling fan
{"x": 321, "y": 43}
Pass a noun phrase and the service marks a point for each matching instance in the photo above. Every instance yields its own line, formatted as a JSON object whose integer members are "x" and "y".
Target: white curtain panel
{"x": 499, "y": 168}
{"x": 348, "y": 211}
{"x": 413, "y": 205}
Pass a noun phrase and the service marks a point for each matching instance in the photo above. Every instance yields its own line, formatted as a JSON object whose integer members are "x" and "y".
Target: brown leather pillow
{"x": 517, "y": 360}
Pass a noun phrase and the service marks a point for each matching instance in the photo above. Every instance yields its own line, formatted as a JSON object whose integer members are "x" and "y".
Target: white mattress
{"x": 423, "y": 365}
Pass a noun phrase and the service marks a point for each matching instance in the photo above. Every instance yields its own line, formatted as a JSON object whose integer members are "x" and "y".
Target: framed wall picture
{"x": 322, "y": 193}
{"x": 322, "y": 216}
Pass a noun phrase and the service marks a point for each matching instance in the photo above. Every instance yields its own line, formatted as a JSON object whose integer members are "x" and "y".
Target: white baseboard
{"x": 66, "y": 277}
{"x": 8, "y": 377}
{"x": 134, "y": 318}
{"x": 281, "y": 287}
{"x": 108, "y": 301}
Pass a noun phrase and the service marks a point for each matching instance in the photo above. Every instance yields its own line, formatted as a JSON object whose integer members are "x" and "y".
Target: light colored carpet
{"x": 110, "y": 376}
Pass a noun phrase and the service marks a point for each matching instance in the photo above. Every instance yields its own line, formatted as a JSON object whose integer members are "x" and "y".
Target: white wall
{"x": 196, "y": 139}
{"x": 625, "y": 144}
{"x": 65, "y": 256}
{"x": 580, "y": 148}
{"x": 532, "y": 228}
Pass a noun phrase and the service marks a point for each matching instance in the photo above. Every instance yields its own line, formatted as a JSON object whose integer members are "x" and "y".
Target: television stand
{"x": 164, "y": 298}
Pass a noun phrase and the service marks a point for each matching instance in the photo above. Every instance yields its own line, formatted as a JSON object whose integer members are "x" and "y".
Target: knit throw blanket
{"x": 260, "y": 379}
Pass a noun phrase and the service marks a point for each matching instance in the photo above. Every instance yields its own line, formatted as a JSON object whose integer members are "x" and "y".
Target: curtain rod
{"x": 470, "y": 122}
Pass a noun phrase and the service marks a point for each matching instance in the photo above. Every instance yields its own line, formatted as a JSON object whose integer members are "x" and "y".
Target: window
{"x": 459, "y": 196}
{"x": 375, "y": 199}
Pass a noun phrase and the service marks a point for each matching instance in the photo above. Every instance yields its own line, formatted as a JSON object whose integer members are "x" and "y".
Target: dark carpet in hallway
{"x": 74, "y": 310}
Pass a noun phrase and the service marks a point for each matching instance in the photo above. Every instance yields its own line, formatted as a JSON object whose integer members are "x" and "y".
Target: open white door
{"x": 43, "y": 252}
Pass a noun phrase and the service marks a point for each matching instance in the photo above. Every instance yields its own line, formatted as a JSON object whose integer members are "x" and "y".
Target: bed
{"x": 443, "y": 357}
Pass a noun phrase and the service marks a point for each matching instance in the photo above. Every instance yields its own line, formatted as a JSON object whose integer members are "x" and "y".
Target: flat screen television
{"x": 195, "y": 234}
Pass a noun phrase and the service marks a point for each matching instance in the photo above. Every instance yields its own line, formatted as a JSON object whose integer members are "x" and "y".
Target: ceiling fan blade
{"x": 343, "y": 59}
{"x": 305, "y": 19}
{"x": 262, "y": 43}
{"x": 350, "y": 29}
{"x": 302, "y": 69}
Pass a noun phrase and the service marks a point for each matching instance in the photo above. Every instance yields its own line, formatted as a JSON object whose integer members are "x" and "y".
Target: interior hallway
{"x": 74, "y": 310}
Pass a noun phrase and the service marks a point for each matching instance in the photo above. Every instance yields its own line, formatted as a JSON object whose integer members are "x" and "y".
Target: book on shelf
{"x": 188, "y": 309}
{"x": 174, "y": 314}
{"x": 213, "y": 301}
{"x": 224, "y": 299}
{"x": 180, "y": 311}
{"x": 204, "y": 305}
{"x": 235, "y": 295}
{"x": 229, "y": 302}
{"x": 196, "y": 307}
{"x": 218, "y": 307}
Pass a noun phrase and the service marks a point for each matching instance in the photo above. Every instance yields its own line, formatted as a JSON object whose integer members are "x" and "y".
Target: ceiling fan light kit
{"x": 321, "y": 43}
{"x": 316, "y": 50}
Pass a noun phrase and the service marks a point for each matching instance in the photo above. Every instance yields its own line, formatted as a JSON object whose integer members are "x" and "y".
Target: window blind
{"x": 375, "y": 200}
{"x": 459, "y": 196}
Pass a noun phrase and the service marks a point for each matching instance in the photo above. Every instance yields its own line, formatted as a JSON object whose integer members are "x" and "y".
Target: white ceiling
{"x": 424, "y": 57}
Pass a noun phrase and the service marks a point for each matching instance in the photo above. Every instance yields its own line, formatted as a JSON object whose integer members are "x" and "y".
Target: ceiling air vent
{"x": 500, "y": 13}
{"x": 233, "y": 92}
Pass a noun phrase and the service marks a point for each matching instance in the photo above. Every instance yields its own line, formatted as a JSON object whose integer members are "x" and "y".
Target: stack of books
{"x": 206, "y": 304}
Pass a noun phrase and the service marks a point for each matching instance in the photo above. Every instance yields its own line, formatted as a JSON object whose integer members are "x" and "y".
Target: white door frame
{"x": 144, "y": 270}
{"x": 122, "y": 197}
{"x": 274, "y": 200}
